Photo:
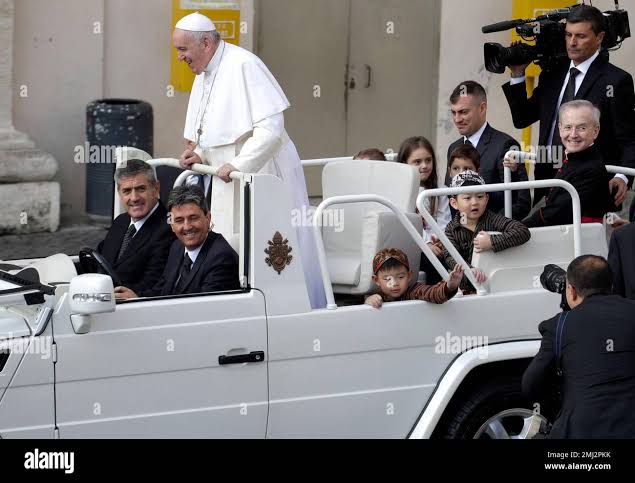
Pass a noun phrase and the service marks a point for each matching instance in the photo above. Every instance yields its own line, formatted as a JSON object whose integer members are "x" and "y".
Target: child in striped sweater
{"x": 468, "y": 231}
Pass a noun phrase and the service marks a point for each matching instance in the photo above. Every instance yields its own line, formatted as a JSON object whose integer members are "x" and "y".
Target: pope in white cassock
{"x": 235, "y": 121}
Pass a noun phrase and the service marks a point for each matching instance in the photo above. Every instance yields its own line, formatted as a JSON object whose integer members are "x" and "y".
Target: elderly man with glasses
{"x": 583, "y": 167}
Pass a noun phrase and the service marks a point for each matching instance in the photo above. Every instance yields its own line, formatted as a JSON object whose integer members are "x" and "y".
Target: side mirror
{"x": 88, "y": 295}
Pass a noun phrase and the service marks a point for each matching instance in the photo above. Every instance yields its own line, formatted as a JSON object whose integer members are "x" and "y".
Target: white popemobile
{"x": 259, "y": 362}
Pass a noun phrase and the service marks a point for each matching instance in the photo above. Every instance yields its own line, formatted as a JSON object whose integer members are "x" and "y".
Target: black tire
{"x": 487, "y": 400}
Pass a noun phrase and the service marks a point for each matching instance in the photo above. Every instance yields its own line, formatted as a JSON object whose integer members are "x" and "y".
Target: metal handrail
{"x": 507, "y": 174}
{"x": 532, "y": 158}
{"x": 524, "y": 185}
{"x": 341, "y": 200}
{"x": 195, "y": 168}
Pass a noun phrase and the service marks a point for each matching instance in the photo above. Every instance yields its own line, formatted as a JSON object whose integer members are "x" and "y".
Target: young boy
{"x": 463, "y": 158}
{"x": 468, "y": 230}
{"x": 392, "y": 274}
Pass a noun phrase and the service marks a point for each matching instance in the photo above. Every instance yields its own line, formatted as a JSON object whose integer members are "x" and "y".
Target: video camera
{"x": 554, "y": 279}
{"x": 548, "y": 33}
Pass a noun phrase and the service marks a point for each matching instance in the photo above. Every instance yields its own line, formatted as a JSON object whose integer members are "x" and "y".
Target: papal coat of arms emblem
{"x": 278, "y": 252}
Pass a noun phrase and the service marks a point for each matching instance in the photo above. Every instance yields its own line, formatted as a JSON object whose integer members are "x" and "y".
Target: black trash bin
{"x": 111, "y": 123}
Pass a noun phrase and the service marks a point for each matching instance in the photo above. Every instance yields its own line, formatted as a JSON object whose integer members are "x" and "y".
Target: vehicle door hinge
{"x": 54, "y": 352}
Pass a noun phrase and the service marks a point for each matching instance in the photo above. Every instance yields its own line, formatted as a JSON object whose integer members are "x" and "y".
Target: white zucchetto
{"x": 195, "y": 22}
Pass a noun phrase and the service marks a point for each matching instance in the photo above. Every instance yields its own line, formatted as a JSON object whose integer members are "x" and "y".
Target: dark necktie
{"x": 569, "y": 92}
{"x": 126, "y": 240}
{"x": 467, "y": 142}
{"x": 184, "y": 272}
{"x": 569, "y": 95}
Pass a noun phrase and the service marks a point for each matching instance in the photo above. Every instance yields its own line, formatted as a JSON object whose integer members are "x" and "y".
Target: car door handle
{"x": 258, "y": 356}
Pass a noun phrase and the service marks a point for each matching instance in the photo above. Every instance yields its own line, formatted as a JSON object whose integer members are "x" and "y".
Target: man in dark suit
{"x": 592, "y": 347}
{"x": 622, "y": 261}
{"x": 200, "y": 260}
{"x": 586, "y": 75}
{"x": 583, "y": 167}
{"x": 138, "y": 241}
{"x": 469, "y": 113}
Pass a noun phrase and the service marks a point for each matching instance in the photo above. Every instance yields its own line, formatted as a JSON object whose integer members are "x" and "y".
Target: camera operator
{"x": 587, "y": 75}
{"x": 589, "y": 352}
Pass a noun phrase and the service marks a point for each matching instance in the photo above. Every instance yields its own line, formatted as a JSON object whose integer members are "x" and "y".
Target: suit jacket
{"x": 143, "y": 262}
{"x": 598, "y": 366}
{"x": 492, "y": 147}
{"x": 608, "y": 87}
{"x": 586, "y": 172}
{"x": 622, "y": 261}
{"x": 215, "y": 269}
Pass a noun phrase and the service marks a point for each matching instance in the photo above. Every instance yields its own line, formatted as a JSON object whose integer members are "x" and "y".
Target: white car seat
{"x": 368, "y": 227}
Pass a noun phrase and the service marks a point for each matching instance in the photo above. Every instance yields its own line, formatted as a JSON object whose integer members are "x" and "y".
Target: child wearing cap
{"x": 468, "y": 231}
{"x": 392, "y": 275}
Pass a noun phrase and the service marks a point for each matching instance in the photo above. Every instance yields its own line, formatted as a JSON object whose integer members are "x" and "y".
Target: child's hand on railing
{"x": 482, "y": 242}
{"x": 480, "y": 275}
{"x": 375, "y": 301}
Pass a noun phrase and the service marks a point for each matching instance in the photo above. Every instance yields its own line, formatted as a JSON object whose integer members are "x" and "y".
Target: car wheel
{"x": 495, "y": 410}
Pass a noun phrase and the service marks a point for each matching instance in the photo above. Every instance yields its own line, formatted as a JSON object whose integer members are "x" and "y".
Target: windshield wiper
{"x": 25, "y": 285}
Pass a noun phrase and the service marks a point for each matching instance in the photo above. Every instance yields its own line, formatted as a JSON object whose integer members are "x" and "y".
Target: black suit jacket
{"x": 492, "y": 147}
{"x": 586, "y": 172}
{"x": 622, "y": 261}
{"x": 608, "y": 87}
{"x": 215, "y": 269}
{"x": 143, "y": 262}
{"x": 598, "y": 365}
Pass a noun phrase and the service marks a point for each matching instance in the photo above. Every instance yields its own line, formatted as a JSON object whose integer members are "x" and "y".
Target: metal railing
{"x": 532, "y": 158}
{"x": 180, "y": 180}
{"x": 341, "y": 200}
{"x": 524, "y": 185}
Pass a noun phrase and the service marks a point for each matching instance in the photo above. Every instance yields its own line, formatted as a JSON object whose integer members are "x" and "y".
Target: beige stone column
{"x": 29, "y": 201}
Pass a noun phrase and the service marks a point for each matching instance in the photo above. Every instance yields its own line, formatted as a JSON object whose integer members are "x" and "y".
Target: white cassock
{"x": 238, "y": 106}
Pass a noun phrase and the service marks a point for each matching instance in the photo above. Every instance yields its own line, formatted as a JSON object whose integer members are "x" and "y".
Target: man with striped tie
{"x": 139, "y": 240}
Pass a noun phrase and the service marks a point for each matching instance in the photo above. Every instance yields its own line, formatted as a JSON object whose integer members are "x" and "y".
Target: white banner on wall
{"x": 210, "y": 5}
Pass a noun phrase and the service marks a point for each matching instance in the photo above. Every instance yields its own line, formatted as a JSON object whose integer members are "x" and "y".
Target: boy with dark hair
{"x": 392, "y": 275}
{"x": 469, "y": 231}
{"x": 464, "y": 158}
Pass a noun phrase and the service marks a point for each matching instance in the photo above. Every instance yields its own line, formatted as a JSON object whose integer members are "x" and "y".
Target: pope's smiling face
{"x": 194, "y": 52}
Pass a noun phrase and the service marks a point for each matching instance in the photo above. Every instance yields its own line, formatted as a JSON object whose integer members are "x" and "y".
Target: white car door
{"x": 183, "y": 367}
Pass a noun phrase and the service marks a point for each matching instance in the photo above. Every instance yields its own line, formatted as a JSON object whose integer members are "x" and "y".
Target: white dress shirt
{"x": 193, "y": 254}
{"x": 476, "y": 137}
{"x": 139, "y": 224}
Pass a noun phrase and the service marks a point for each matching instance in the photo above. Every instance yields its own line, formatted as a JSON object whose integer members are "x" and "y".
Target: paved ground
{"x": 72, "y": 236}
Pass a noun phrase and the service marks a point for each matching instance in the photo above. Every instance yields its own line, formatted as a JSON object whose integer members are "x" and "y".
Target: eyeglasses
{"x": 582, "y": 129}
